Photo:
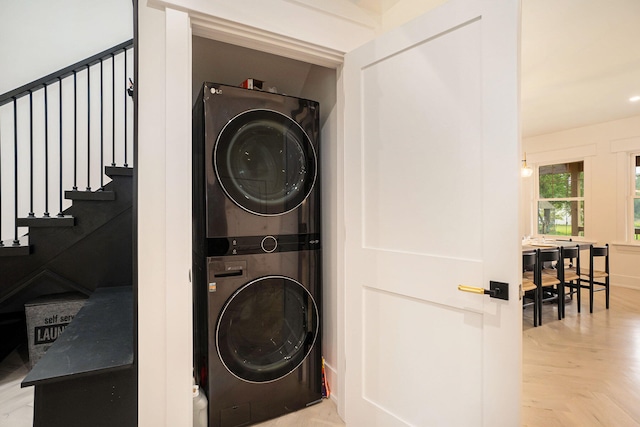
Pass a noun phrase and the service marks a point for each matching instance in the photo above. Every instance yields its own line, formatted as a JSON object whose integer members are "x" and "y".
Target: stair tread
{"x": 47, "y": 221}
{"x": 9, "y": 249}
{"x": 118, "y": 170}
{"x": 89, "y": 195}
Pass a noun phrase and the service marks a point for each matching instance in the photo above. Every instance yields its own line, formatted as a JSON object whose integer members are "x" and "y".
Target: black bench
{"x": 87, "y": 377}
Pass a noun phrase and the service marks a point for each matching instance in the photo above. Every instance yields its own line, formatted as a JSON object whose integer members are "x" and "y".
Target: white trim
{"x": 265, "y": 41}
{"x": 622, "y": 197}
{"x": 537, "y": 199}
{"x": 178, "y": 252}
{"x": 560, "y": 156}
{"x": 150, "y": 166}
{"x": 630, "y": 195}
{"x": 625, "y": 145}
{"x": 630, "y": 282}
{"x": 319, "y": 31}
{"x": 165, "y": 349}
{"x": 625, "y": 161}
{"x": 630, "y": 246}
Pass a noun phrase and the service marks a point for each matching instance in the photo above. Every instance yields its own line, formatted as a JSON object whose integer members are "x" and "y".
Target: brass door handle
{"x": 472, "y": 289}
{"x": 497, "y": 290}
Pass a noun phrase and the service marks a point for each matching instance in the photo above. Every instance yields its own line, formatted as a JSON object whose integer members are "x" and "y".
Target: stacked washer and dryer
{"x": 257, "y": 253}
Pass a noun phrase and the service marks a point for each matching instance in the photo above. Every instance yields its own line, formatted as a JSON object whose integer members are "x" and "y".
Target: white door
{"x": 431, "y": 202}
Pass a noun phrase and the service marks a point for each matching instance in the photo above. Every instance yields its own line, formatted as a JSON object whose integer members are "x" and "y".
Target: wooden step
{"x": 9, "y": 248}
{"x": 89, "y": 195}
{"x": 47, "y": 221}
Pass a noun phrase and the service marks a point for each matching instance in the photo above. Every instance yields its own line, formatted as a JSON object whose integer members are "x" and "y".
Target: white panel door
{"x": 431, "y": 201}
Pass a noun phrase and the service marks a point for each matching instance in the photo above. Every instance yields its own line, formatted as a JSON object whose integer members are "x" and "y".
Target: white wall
{"x": 225, "y": 63}
{"x": 606, "y": 149}
{"x": 406, "y": 10}
{"x": 39, "y": 37}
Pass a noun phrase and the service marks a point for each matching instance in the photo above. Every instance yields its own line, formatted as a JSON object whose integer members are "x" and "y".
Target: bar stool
{"x": 570, "y": 273}
{"x": 594, "y": 277}
{"x": 529, "y": 287}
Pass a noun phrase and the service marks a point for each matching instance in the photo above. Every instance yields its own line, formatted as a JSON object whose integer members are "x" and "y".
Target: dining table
{"x": 533, "y": 244}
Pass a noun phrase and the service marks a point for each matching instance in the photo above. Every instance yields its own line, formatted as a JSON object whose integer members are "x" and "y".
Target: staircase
{"x": 59, "y": 137}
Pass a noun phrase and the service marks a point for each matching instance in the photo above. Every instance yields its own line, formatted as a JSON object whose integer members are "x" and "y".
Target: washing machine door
{"x": 265, "y": 162}
{"x": 266, "y": 329}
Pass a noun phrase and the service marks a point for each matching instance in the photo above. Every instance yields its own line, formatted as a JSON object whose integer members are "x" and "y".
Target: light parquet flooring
{"x": 583, "y": 370}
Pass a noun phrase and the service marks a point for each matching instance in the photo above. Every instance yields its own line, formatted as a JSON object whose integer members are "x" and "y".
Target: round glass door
{"x": 265, "y": 162}
{"x": 267, "y": 329}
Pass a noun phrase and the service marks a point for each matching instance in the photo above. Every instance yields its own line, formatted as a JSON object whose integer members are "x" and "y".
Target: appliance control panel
{"x": 247, "y": 245}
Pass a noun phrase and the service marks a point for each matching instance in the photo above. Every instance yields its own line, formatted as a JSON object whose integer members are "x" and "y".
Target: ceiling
{"x": 580, "y": 61}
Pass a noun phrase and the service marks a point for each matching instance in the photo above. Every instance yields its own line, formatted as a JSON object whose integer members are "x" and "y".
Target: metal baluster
{"x": 60, "y": 155}
{"x": 16, "y": 241}
{"x": 125, "y": 108}
{"x": 46, "y": 154}
{"x": 101, "y": 127}
{"x": 31, "y": 214}
{"x": 113, "y": 109}
{"x": 75, "y": 133}
{"x": 88, "y": 128}
{"x": 1, "y": 242}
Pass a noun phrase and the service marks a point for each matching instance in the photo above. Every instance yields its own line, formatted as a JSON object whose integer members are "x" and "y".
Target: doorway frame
{"x": 166, "y": 345}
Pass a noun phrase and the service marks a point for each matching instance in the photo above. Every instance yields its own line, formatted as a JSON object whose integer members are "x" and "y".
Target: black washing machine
{"x": 264, "y": 357}
{"x": 258, "y": 161}
{"x": 257, "y": 253}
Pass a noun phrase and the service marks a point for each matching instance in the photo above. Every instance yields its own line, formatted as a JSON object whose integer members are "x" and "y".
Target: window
{"x": 636, "y": 197}
{"x": 561, "y": 199}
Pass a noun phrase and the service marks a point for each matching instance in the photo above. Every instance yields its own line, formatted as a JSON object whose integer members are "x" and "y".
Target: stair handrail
{"x": 64, "y": 72}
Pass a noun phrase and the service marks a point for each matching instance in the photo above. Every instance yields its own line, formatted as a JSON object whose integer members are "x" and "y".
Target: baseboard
{"x": 631, "y": 282}
{"x": 332, "y": 378}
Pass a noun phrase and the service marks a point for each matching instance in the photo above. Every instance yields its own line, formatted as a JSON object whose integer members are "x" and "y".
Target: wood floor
{"x": 582, "y": 371}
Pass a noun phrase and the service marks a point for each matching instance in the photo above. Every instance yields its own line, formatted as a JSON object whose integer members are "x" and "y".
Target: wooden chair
{"x": 529, "y": 287}
{"x": 549, "y": 280}
{"x": 596, "y": 277}
{"x": 570, "y": 273}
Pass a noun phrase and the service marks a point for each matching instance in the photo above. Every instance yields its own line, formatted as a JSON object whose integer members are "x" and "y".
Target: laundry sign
{"x": 47, "y": 318}
{"x": 48, "y": 334}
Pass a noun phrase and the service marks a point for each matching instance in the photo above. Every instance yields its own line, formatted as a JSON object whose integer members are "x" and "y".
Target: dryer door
{"x": 267, "y": 329}
{"x": 265, "y": 162}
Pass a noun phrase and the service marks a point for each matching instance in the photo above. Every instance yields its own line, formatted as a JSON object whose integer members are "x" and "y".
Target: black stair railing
{"x": 28, "y": 133}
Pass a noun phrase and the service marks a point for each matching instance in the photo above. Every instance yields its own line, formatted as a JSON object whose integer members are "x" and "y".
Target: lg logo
{"x": 215, "y": 91}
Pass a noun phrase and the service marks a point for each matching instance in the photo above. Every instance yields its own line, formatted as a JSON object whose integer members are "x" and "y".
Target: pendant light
{"x": 525, "y": 171}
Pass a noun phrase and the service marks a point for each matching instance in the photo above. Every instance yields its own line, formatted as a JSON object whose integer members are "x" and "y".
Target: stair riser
{"x": 76, "y": 252}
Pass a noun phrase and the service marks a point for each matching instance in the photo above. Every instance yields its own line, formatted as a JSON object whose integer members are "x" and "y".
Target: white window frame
{"x": 538, "y": 199}
{"x": 625, "y": 150}
{"x": 631, "y": 197}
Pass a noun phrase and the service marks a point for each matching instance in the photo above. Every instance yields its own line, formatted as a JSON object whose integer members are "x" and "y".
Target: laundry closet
{"x": 259, "y": 160}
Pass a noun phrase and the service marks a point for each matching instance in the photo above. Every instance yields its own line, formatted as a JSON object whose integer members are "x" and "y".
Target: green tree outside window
{"x": 561, "y": 199}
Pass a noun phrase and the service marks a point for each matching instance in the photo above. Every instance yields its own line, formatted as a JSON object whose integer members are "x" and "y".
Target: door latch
{"x": 497, "y": 290}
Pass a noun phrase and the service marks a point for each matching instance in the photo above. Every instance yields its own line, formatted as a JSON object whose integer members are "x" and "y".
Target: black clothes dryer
{"x": 257, "y": 158}
{"x": 259, "y": 354}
